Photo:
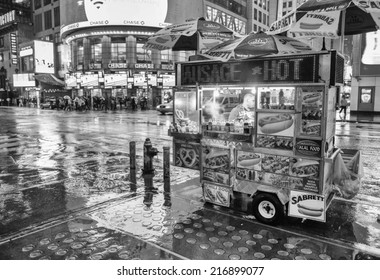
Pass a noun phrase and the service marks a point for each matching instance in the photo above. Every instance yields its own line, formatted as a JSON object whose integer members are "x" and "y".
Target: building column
{"x": 106, "y": 51}
{"x": 74, "y": 53}
{"x": 131, "y": 49}
{"x": 86, "y": 53}
{"x": 156, "y": 57}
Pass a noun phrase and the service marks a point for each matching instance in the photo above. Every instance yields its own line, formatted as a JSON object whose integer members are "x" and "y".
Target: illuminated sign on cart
{"x": 300, "y": 69}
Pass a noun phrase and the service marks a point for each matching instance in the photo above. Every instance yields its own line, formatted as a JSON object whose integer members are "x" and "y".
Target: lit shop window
{"x": 118, "y": 50}
{"x": 96, "y": 50}
{"x": 166, "y": 56}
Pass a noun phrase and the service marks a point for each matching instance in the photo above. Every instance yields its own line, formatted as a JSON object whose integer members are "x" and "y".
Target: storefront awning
{"x": 49, "y": 79}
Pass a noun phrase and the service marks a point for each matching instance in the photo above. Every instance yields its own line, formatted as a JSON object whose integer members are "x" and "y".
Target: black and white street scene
{"x": 189, "y": 130}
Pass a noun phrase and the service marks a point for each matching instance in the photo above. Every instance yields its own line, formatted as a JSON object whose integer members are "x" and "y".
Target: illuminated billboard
{"x": 90, "y": 80}
{"x": 168, "y": 80}
{"x": 24, "y": 80}
{"x": 115, "y": 80}
{"x": 70, "y": 81}
{"x": 76, "y": 15}
{"x": 44, "y": 57}
{"x": 370, "y": 54}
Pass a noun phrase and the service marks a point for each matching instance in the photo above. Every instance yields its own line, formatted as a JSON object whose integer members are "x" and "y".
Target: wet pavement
{"x": 65, "y": 193}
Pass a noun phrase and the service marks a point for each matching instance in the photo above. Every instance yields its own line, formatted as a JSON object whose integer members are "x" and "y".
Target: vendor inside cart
{"x": 244, "y": 112}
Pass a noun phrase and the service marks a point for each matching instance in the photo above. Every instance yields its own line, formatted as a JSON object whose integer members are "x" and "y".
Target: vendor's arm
{"x": 234, "y": 114}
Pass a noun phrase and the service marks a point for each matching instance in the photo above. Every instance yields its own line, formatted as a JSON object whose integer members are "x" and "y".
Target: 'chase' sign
{"x": 300, "y": 69}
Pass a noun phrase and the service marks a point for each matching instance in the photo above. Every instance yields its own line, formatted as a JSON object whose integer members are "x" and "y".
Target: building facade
{"x": 15, "y": 28}
{"x": 105, "y": 55}
{"x": 98, "y": 44}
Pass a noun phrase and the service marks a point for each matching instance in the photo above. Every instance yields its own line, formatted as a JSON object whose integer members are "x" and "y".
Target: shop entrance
{"x": 366, "y": 100}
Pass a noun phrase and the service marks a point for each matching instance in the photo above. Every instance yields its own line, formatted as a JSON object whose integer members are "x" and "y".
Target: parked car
{"x": 165, "y": 108}
{"x": 48, "y": 104}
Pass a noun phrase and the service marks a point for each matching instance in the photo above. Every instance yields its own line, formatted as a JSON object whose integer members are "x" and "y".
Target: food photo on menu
{"x": 248, "y": 160}
{"x": 216, "y": 159}
{"x": 215, "y": 177}
{"x": 274, "y": 142}
{"x": 311, "y": 112}
{"x": 187, "y": 155}
{"x": 275, "y": 164}
{"x": 304, "y": 168}
{"x": 276, "y": 124}
{"x": 311, "y": 128}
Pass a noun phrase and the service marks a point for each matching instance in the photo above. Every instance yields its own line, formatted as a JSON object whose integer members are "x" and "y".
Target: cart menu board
{"x": 278, "y": 171}
{"x": 187, "y": 154}
{"x": 216, "y": 164}
{"x": 217, "y": 194}
{"x": 275, "y": 131}
{"x": 311, "y": 102}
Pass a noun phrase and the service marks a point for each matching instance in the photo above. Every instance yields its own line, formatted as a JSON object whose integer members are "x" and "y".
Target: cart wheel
{"x": 267, "y": 208}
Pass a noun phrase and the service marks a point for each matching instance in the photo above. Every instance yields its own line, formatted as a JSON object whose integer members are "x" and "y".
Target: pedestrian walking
{"x": 343, "y": 107}
{"x": 133, "y": 104}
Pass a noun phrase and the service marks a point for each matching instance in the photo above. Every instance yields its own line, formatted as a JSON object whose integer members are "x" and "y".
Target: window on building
{"x": 255, "y": 14}
{"x": 37, "y": 4}
{"x": 96, "y": 50}
{"x": 27, "y": 64}
{"x": 284, "y": 4}
{"x": 48, "y": 20}
{"x": 38, "y": 23}
{"x": 118, "y": 50}
{"x": 47, "y": 2}
{"x": 80, "y": 52}
{"x": 255, "y": 27}
{"x": 290, "y": 4}
{"x": 166, "y": 56}
{"x": 57, "y": 38}
{"x": 1, "y": 42}
{"x": 57, "y": 17}
{"x": 48, "y": 38}
{"x": 143, "y": 55}
{"x": 264, "y": 19}
{"x": 260, "y": 19}
{"x": 260, "y": 3}
{"x": 225, "y": 19}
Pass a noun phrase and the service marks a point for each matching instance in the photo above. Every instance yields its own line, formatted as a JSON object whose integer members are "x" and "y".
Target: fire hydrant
{"x": 149, "y": 153}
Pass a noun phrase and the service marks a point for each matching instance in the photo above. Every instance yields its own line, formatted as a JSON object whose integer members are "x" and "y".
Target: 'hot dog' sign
{"x": 270, "y": 70}
{"x": 307, "y": 205}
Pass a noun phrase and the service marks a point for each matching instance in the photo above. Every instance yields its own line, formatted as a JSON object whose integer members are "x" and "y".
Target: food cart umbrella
{"x": 329, "y": 19}
{"x": 192, "y": 35}
{"x": 67, "y": 97}
{"x": 257, "y": 44}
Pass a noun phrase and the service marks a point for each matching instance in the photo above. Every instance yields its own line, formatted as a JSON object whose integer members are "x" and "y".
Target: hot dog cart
{"x": 261, "y": 131}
